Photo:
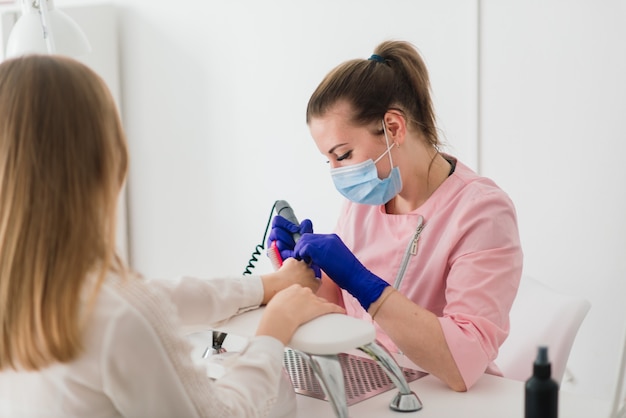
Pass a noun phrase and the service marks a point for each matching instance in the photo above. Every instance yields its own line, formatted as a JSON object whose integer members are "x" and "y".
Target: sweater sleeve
{"x": 208, "y": 301}
{"x": 147, "y": 368}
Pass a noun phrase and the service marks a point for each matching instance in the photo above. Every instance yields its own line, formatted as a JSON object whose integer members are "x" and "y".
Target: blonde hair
{"x": 63, "y": 161}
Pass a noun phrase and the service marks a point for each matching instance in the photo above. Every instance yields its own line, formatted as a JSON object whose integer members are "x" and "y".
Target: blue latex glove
{"x": 331, "y": 255}
{"x": 282, "y": 232}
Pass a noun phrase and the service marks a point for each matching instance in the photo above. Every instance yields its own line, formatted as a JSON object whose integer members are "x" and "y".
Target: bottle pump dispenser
{"x": 542, "y": 392}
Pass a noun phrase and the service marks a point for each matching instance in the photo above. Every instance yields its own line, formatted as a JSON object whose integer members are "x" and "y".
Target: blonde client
{"x": 82, "y": 335}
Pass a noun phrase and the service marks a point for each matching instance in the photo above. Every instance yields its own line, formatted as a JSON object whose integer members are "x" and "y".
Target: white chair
{"x": 540, "y": 316}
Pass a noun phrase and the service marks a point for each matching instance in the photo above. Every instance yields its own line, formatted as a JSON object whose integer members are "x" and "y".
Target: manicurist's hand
{"x": 282, "y": 233}
{"x": 290, "y": 308}
{"x": 330, "y": 253}
{"x": 292, "y": 272}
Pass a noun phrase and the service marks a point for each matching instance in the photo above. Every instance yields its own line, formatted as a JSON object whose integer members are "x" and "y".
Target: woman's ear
{"x": 396, "y": 127}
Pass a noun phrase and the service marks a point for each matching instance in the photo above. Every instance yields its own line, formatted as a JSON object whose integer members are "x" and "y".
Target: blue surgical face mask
{"x": 360, "y": 183}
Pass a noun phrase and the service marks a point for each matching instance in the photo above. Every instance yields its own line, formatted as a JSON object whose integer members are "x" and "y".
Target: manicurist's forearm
{"x": 418, "y": 334}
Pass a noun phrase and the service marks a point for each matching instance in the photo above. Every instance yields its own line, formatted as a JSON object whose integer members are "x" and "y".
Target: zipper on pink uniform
{"x": 411, "y": 249}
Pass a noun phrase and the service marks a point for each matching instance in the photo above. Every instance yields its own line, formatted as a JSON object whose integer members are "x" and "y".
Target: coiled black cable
{"x": 261, "y": 246}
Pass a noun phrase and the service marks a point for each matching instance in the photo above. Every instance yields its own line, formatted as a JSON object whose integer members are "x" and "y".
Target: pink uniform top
{"x": 466, "y": 268}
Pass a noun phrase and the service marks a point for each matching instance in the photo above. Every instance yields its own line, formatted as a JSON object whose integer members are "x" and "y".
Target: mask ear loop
{"x": 388, "y": 147}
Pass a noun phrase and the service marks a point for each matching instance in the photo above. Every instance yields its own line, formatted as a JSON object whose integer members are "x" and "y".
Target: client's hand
{"x": 290, "y": 308}
{"x": 291, "y": 272}
{"x": 331, "y": 255}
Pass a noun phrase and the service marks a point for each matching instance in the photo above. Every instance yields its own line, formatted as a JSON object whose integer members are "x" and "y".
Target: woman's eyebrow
{"x": 330, "y": 151}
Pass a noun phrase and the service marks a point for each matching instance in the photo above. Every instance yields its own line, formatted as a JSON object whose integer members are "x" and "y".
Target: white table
{"x": 490, "y": 397}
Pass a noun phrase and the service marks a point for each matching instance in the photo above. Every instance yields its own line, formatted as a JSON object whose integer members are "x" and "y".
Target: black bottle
{"x": 542, "y": 392}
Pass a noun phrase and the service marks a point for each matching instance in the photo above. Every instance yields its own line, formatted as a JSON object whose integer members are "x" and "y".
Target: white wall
{"x": 554, "y": 136}
{"x": 214, "y": 95}
{"x": 214, "y": 102}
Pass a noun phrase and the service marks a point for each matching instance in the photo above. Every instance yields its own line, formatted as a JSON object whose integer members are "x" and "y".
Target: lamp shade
{"x": 28, "y": 36}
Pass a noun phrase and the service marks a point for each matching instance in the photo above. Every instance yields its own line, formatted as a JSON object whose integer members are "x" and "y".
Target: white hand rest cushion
{"x": 325, "y": 335}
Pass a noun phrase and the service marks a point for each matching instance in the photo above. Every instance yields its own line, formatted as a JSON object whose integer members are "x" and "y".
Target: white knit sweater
{"x": 137, "y": 362}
